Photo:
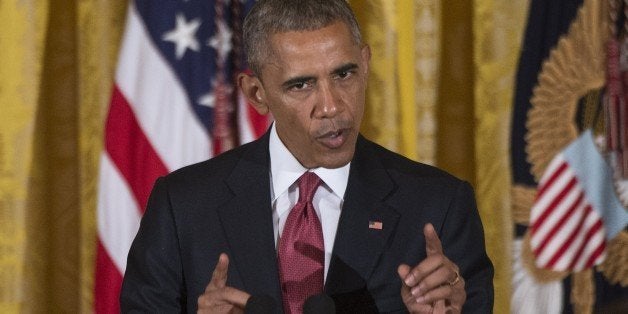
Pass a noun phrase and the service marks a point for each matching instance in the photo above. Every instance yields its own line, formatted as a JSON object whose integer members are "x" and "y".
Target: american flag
{"x": 377, "y": 225}
{"x": 576, "y": 210}
{"x": 174, "y": 102}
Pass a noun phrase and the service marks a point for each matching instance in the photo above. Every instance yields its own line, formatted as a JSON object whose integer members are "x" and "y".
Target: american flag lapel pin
{"x": 376, "y": 224}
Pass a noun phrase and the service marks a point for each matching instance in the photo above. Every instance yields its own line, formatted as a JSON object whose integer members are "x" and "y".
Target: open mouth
{"x": 334, "y": 139}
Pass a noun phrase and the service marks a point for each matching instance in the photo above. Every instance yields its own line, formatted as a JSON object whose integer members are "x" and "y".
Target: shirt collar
{"x": 286, "y": 169}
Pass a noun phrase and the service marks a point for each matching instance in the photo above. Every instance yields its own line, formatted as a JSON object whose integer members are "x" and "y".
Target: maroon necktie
{"x": 301, "y": 249}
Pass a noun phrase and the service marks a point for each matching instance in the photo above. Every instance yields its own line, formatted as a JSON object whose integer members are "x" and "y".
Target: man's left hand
{"x": 435, "y": 284}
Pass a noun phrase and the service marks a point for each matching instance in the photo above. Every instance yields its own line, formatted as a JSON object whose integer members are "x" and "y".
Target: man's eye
{"x": 299, "y": 86}
{"x": 344, "y": 74}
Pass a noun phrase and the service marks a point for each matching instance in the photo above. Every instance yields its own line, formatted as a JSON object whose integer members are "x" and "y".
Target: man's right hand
{"x": 218, "y": 297}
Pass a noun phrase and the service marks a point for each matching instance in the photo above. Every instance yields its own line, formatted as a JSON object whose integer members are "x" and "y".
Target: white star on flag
{"x": 184, "y": 35}
{"x": 207, "y": 100}
{"x": 221, "y": 41}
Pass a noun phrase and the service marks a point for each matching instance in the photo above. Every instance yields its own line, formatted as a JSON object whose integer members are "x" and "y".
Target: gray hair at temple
{"x": 268, "y": 17}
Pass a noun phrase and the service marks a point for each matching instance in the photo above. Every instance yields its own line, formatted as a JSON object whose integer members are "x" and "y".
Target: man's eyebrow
{"x": 297, "y": 80}
{"x": 345, "y": 68}
{"x": 302, "y": 79}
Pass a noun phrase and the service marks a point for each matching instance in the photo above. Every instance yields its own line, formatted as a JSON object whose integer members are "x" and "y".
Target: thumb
{"x": 432, "y": 242}
{"x": 219, "y": 276}
{"x": 403, "y": 270}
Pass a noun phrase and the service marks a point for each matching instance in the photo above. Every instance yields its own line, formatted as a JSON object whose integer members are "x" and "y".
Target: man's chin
{"x": 336, "y": 159}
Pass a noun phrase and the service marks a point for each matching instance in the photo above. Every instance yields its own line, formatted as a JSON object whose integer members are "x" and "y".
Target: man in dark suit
{"x": 312, "y": 206}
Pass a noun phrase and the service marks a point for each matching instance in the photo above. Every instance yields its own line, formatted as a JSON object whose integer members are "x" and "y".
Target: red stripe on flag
{"x": 588, "y": 235}
{"x": 550, "y": 208}
{"x": 595, "y": 254}
{"x": 568, "y": 242}
{"x": 107, "y": 283}
{"x": 550, "y": 181}
{"x": 130, "y": 149}
{"x": 258, "y": 122}
{"x": 560, "y": 223}
{"x": 217, "y": 146}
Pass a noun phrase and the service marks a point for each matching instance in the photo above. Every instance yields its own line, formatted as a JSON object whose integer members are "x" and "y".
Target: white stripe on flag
{"x": 543, "y": 201}
{"x": 564, "y": 230}
{"x": 542, "y": 204}
{"x": 595, "y": 240}
{"x": 118, "y": 213}
{"x": 159, "y": 102}
{"x": 555, "y": 216}
{"x": 551, "y": 168}
{"x": 567, "y": 256}
{"x": 593, "y": 243}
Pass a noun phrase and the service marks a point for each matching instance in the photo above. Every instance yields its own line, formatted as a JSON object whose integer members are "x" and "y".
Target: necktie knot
{"x": 308, "y": 183}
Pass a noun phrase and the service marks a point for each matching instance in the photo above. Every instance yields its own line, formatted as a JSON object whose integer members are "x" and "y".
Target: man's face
{"x": 314, "y": 85}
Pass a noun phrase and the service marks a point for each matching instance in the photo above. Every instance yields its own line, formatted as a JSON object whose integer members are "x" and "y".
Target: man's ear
{"x": 253, "y": 90}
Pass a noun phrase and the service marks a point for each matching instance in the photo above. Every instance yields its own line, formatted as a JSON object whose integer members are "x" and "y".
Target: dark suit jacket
{"x": 223, "y": 205}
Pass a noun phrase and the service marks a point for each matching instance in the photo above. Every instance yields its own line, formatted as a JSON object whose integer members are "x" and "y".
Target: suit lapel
{"x": 358, "y": 246}
{"x": 247, "y": 221}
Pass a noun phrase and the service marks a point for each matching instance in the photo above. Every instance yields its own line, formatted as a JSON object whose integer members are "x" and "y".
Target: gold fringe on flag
{"x": 583, "y": 292}
{"x": 615, "y": 266}
{"x": 540, "y": 274}
{"x": 576, "y": 66}
{"x": 522, "y": 201}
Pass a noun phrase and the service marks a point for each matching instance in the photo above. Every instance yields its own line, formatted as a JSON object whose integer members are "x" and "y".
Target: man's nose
{"x": 329, "y": 103}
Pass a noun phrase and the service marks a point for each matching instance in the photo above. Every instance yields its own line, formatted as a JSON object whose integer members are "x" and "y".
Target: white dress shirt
{"x": 285, "y": 169}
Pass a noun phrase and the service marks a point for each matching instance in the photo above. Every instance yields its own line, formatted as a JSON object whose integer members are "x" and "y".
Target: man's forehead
{"x": 342, "y": 25}
{"x": 297, "y": 38}
{"x": 290, "y": 50}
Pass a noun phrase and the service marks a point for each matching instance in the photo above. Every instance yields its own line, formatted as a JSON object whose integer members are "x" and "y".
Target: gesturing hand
{"x": 435, "y": 284}
{"x": 218, "y": 297}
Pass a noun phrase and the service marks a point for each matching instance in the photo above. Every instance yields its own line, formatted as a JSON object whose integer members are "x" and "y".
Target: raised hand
{"x": 435, "y": 284}
{"x": 218, "y": 297}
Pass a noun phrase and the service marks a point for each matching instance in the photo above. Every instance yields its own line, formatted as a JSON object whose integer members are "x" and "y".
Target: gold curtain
{"x": 100, "y": 25}
{"x": 439, "y": 92}
{"x": 57, "y": 60}
{"x": 404, "y": 40}
{"x": 498, "y": 27}
{"x": 21, "y": 51}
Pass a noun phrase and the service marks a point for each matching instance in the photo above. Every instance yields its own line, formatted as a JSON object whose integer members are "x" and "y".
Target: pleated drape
{"x": 56, "y": 63}
{"x": 498, "y": 28}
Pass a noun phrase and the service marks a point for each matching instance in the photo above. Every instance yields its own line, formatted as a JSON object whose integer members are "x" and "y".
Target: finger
{"x": 210, "y": 304}
{"x": 440, "y": 293}
{"x": 435, "y": 279}
{"x": 234, "y": 296}
{"x": 432, "y": 242}
{"x": 425, "y": 268}
{"x": 408, "y": 299}
{"x": 219, "y": 276}
{"x": 223, "y": 298}
{"x": 416, "y": 308}
{"x": 440, "y": 307}
{"x": 403, "y": 271}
